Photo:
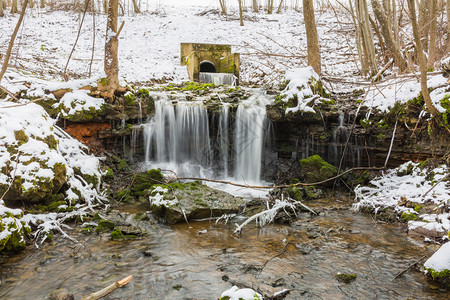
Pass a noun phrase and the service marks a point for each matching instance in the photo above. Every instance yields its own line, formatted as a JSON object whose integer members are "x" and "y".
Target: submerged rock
{"x": 176, "y": 202}
{"x": 345, "y": 278}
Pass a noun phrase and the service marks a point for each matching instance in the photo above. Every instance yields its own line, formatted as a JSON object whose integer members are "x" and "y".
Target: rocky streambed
{"x": 200, "y": 260}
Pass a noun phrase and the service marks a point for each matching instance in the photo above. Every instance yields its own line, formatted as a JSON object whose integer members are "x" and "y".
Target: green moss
{"x": 408, "y": 216}
{"x": 365, "y": 123}
{"x": 312, "y": 192}
{"x": 315, "y": 169}
{"x": 143, "y": 93}
{"x": 144, "y": 181}
{"x": 417, "y": 208}
{"x": 381, "y": 136}
{"x": 345, "y": 278}
{"x": 295, "y": 193}
{"x": 104, "y": 226}
{"x": 129, "y": 98}
{"x": 103, "y": 81}
{"x": 21, "y": 137}
{"x": 445, "y": 103}
{"x": 122, "y": 165}
{"x": 200, "y": 202}
{"x": 109, "y": 175}
{"x": 117, "y": 235}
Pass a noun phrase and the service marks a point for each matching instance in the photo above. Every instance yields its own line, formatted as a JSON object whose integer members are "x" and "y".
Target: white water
{"x": 178, "y": 138}
{"x": 218, "y": 78}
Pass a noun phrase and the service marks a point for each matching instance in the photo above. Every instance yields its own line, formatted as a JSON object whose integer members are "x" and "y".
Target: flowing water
{"x": 184, "y": 137}
{"x": 178, "y": 262}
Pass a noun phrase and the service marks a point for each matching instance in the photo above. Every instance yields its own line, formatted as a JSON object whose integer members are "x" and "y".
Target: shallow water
{"x": 187, "y": 265}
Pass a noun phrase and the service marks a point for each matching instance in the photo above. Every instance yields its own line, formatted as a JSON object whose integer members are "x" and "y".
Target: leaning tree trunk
{"x": 241, "y": 17}
{"x": 13, "y": 38}
{"x": 111, "y": 84}
{"x": 137, "y": 10}
{"x": 422, "y": 61}
{"x": 312, "y": 39}
{"x": 386, "y": 32}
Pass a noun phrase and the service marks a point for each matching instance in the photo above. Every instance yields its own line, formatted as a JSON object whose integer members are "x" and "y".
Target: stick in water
{"x": 109, "y": 289}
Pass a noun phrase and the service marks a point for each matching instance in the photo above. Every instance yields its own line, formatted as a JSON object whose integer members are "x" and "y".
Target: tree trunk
{"x": 433, "y": 34}
{"x": 14, "y": 7}
{"x": 386, "y": 31}
{"x": 42, "y": 4}
{"x": 312, "y": 39}
{"x": 111, "y": 51}
{"x": 11, "y": 41}
{"x": 447, "y": 6}
{"x": 368, "y": 45}
{"x": 105, "y": 6}
{"x": 424, "y": 22}
{"x": 280, "y": 6}
{"x": 255, "y": 6}
{"x": 358, "y": 40}
{"x": 241, "y": 17}
{"x": 136, "y": 7}
{"x": 422, "y": 61}
{"x": 223, "y": 7}
{"x": 2, "y": 13}
{"x": 395, "y": 22}
{"x": 269, "y": 7}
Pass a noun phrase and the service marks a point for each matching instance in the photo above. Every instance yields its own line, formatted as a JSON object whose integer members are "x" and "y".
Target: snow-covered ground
{"x": 149, "y": 44}
{"x": 417, "y": 194}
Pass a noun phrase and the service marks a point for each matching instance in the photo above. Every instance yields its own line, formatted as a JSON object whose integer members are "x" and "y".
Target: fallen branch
{"x": 409, "y": 267}
{"x": 109, "y": 289}
{"x": 285, "y": 185}
{"x": 273, "y": 257}
{"x": 11, "y": 94}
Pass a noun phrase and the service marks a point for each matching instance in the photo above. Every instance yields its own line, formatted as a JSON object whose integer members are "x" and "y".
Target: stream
{"x": 179, "y": 262}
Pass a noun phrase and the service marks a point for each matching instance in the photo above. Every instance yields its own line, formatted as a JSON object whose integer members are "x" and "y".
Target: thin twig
{"x": 76, "y": 40}
{"x": 273, "y": 257}
{"x": 409, "y": 267}
{"x": 11, "y": 94}
{"x": 14, "y": 177}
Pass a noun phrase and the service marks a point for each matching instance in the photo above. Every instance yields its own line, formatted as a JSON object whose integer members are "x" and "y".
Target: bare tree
{"x": 269, "y": 7}
{"x": 312, "y": 39}
{"x": 111, "y": 84}
{"x": 137, "y": 10}
{"x": 255, "y": 6}
{"x": 42, "y": 4}
{"x": 223, "y": 7}
{"x": 2, "y": 13}
{"x": 280, "y": 6}
{"x": 386, "y": 31}
{"x": 14, "y": 6}
{"x": 433, "y": 34}
{"x": 422, "y": 61}
{"x": 447, "y": 6}
{"x": 369, "y": 62}
{"x": 424, "y": 22}
{"x": 13, "y": 38}
{"x": 241, "y": 17}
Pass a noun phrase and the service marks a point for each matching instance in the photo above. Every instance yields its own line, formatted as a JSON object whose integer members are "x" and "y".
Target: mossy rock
{"x": 144, "y": 181}
{"x": 315, "y": 169}
{"x": 104, "y": 226}
{"x": 14, "y": 231}
{"x": 191, "y": 201}
{"x": 122, "y": 165}
{"x": 408, "y": 216}
{"x": 117, "y": 235}
{"x": 345, "y": 278}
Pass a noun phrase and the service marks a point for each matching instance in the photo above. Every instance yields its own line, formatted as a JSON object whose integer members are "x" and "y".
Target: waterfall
{"x": 224, "y": 141}
{"x": 178, "y": 137}
{"x": 178, "y": 133}
{"x": 217, "y": 78}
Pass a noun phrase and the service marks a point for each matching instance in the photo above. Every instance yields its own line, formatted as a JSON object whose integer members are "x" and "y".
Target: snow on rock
{"x": 240, "y": 294}
{"x": 440, "y": 260}
{"x": 29, "y": 154}
{"x": 404, "y": 190}
{"x": 298, "y": 89}
{"x": 78, "y": 106}
{"x": 12, "y": 229}
{"x": 36, "y": 160}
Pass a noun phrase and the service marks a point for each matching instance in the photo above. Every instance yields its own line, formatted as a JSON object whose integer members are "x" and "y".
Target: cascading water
{"x": 178, "y": 137}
